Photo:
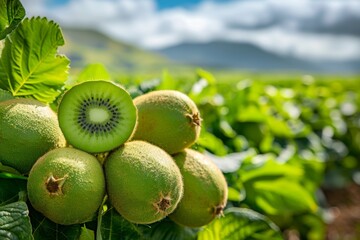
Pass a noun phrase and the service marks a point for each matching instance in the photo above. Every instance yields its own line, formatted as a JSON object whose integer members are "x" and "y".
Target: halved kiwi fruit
{"x": 97, "y": 116}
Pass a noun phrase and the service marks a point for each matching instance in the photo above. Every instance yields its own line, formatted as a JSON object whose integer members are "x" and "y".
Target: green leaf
{"x": 231, "y": 162}
{"x": 44, "y": 229}
{"x": 7, "y": 169}
{"x": 11, "y": 188}
{"x": 29, "y": 64}
{"x": 235, "y": 195}
{"x": 11, "y": 14}
{"x": 1, "y": 45}
{"x": 15, "y": 222}
{"x": 279, "y": 127}
{"x": 276, "y": 188}
{"x": 250, "y": 113}
{"x": 311, "y": 226}
{"x": 201, "y": 73}
{"x": 168, "y": 230}
{"x": 92, "y": 72}
{"x": 211, "y": 142}
{"x": 271, "y": 170}
{"x": 12, "y": 174}
{"x": 167, "y": 81}
{"x": 87, "y": 234}
{"x": 204, "y": 89}
{"x": 281, "y": 196}
{"x": 240, "y": 224}
{"x": 5, "y": 95}
{"x": 114, "y": 226}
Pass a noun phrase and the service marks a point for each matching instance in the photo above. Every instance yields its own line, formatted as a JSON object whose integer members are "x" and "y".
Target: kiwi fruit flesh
{"x": 205, "y": 190}
{"x": 143, "y": 182}
{"x": 28, "y": 129}
{"x": 67, "y": 186}
{"x": 97, "y": 116}
{"x": 168, "y": 119}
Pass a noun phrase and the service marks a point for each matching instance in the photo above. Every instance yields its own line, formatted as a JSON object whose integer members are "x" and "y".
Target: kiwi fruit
{"x": 205, "y": 190}
{"x": 28, "y": 129}
{"x": 97, "y": 116}
{"x": 67, "y": 186}
{"x": 168, "y": 119}
{"x": 143, "y": 182}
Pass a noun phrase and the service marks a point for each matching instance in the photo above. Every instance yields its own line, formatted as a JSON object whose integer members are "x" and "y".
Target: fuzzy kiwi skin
{"x": 168, "y": 119}
{"x": 143, "y": 182}
{"x": 205, "y": 190}
{"x": 82, "y": 186}
{"x": 28, "y": 129}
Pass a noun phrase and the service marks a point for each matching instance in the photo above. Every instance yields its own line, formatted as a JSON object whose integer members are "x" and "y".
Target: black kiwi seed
{"x": 98, "y": 128}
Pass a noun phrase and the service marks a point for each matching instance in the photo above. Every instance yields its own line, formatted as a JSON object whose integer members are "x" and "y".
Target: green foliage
{"x": 12, "y": 188}
{"x": 276, "y": 189}
{"x": 240, "y": 223}
{"x": 15, "y": 222}
{"x": 29, "y": 63}
{"x": 5, "y": 95}
{"x": 43, "y": 228}
{"x": 86, "y": 234}
{"x": 11, "y": 14}
{"x": 91, "y": 72}
{"x": 167, "y": 230}
{"x": 113, "y": 226}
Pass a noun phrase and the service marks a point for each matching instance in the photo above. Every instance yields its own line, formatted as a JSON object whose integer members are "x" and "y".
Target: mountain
{"x": 233, "y": 55}
{"x": 85, "y": 46}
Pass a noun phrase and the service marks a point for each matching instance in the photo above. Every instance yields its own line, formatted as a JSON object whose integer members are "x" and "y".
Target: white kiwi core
{"x": 98, "y": 115}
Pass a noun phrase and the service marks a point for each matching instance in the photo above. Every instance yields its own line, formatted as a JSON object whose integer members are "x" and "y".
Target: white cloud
{"x": 176, "y": 26}
{"x": 299, "y": 44}
{"x": 96, "y": 13}
{"x": 308, "y": 29}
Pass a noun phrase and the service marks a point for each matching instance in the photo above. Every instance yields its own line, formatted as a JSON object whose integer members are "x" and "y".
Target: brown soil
{"x": 345, "y": 206}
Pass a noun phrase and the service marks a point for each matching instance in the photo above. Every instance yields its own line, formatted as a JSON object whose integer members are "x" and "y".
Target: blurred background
{"x": 277, "y": 83}
{"x": 264, "y": 35}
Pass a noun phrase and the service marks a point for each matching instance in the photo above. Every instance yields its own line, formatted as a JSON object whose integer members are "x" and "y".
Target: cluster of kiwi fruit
{"x": 103, "y": 142}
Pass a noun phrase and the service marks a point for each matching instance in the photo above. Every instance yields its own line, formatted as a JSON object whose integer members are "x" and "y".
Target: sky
{"x": 307, "y": 29}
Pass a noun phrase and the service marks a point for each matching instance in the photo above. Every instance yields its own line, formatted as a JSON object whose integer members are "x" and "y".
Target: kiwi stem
{"x": 195, "y": 119}
{"x": 163, "y": 204}
{"x": 218, "y": 210}
{"x": 101, "y": 156}
{"x": 54, "y": 185}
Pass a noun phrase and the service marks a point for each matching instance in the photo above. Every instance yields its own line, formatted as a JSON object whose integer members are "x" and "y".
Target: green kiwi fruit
{"x": 28, "y": 129}
{"x": 66, "y": 185}
{"x": 205, "y": 190}
{"x": 97, "y": 116}
{"x": 143, "y": 182}
{"x": 168, "y": 119}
